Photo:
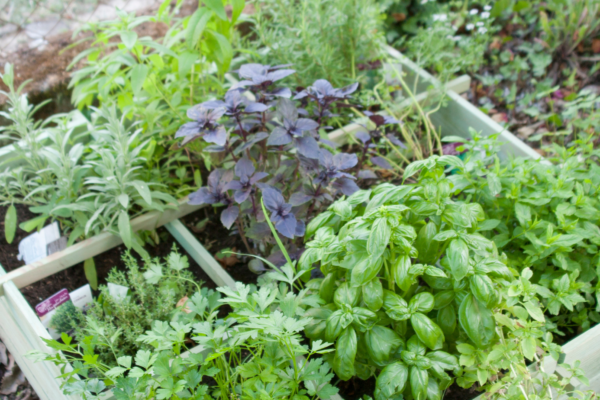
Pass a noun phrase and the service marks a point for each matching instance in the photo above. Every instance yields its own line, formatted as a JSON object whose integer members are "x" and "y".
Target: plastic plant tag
{"x": 47, "y": 308}
{"x": 82, "y": 297}
{"x": 117, "y": 292}
{"x": 35, "y": 246}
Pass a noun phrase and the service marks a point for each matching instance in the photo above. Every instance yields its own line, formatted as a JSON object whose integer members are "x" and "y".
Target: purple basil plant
{"x": 272, "y": 148}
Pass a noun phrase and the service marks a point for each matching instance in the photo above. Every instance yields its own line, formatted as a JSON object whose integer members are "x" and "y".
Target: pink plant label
{"x": 52, "y": 302}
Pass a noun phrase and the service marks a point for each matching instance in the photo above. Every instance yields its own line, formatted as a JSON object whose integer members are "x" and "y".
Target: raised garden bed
{"x": 22, "y": 329}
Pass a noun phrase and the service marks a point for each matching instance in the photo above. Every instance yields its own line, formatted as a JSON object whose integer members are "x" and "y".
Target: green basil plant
{"x": 407, "y": 276}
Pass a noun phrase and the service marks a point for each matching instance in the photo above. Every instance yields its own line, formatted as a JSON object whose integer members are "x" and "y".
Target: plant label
{"x": 36, "y": 246}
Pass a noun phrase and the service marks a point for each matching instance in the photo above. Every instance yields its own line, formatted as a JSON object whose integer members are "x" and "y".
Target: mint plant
{"x": 544, "y": 216}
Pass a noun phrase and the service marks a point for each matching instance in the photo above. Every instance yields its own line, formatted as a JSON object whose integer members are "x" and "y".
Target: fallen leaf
{"x": 227, "y": 260}
{"x": 496, "y": 44}
{"x": 596, "y": 46}
{"x": 399, "y": 17}
{"x": 500, "y": 117}
{"x": 182, "y": 303}
{"x": 525, "y": 131}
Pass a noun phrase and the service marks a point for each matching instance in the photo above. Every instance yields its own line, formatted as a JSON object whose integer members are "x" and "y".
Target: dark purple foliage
{"x": 282, "y": 217}
{"x": 271, "y": 148}
{"x": 244, "y": 169}
{"x": 204, "y": 125}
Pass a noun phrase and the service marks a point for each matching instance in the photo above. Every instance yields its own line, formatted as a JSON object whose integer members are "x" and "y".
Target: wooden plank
{"x": 586, "y": 349}
{"x": 20, "y": 337}
{"x": 91, "y": 247}
{"x": 204, "y": 259}
{"x": 459, "y": 115}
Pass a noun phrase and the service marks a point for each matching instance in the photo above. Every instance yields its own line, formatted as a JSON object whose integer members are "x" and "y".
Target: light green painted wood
{"x": 459, "y": 115}
{"x": 91, "y": 247}
{"x": 195, "y": 249}
{"x": 19, "y": 331}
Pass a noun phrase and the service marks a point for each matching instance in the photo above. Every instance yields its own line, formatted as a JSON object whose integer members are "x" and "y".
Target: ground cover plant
{"x": 545, "y": 218}
{"x": 535, "y": 72}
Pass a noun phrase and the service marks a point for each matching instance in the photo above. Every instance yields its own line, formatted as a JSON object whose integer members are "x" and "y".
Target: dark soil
{"x": 205, "y": 224}
{"x": 9, "y": 252}
{"x": 355, "y": 389}
{"x": 74, "y": 277}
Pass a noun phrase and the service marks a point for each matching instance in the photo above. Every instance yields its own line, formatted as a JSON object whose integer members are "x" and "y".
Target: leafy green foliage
{"x": 329, "y": 39}
{"x": 153, "y": 295}
{"x": 419, "y": 294}
{"x": 67, "y": 317}
{"x": 255, "y": 353}
{"x": 546, "y": 218}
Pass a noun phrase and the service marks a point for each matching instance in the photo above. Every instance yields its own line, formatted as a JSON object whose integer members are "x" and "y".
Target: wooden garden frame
{"x": 21, "y": 330}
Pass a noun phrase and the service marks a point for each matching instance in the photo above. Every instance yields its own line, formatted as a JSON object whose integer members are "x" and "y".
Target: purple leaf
{"x": 256, "y": 108}
{"x": 257, "y": 177}
{"x": 366, "y": 174}
{"x": 241, "y": 195}
{"x": 344, "y": 161}
{"x": 273, "y": 199}
{"x": 244, "y": 168}
{"x": 363, "y": 136}
{"x": 286, "y": 225}
{"x": 217, "y": 136}
{"x": 395, "y": 140}
{"x": 345, "y": 91}
{"x": 234, "y": 185}
{"x": 202, "y": 196}
{"x": 188, "y": 129}
{"x": 282, "y": 92}
{"x": 381, "y": 162}
{"x": 305, "y": 124}
{"x": 252, "y": 69}
{"x": 326, "y": 158}
{"x": 346, "y": 186}
{"x": 279, "y": 74}
{"x": 323, "y": 86}
{"x": 213, "y": 148}
{"x": 229, "y": 215}
{"x": 287, "y": 109}
{"x": 279, "y": 137}
{"x": 299, "y": 198}
{"x": 300, "y": 228}
{"x": 307, "y": 146}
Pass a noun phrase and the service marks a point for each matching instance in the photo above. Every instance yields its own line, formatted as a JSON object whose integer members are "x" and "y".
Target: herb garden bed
{"x": 21, "y": 330}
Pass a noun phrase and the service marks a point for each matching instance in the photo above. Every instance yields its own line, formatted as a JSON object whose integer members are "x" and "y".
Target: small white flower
{"x": 487, "y": 8}
{"x": 482, "y": 30}
{"x": 470, "y": 27}
{"x": 440, "y": 17}
{"x": 424, "y": 1}
{"x": 480, "y": 23}
{"x": 473, "y": 11}
{"x": 485, "y": 15}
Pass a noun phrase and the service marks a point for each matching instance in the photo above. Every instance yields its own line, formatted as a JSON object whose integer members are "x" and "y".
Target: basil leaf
{"x": 345, "y": 294}
{"x": 400, "y": 272}
{"x": 433, "y": 390}
{"x": 333, "y": 327}
{"x": 392, "y": 380}
{"x": 425, "y": 245}
{"x": 395, "y": 306}
{"x": 327, "y": 288}
{"x": 443, "y": 299}
{"x": 477, "y": 321}
{"x": 378, "y": 238}
{"x": 422, "y": 302}
{"x": 419, "y": 380}
{"x": 373, "y": 294}
{"x": 458, "y": 258}
{"x": 366, "y": 270}
{"x": 315, "y": 329}
{"x": 427, "y": 331}
{"x": 345, "y": 353}
{"x": 381, "y": 343}
{"x": 446, "y": 319}
{"x": 363, "y": 319}
{"x": 483, "y": 289}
